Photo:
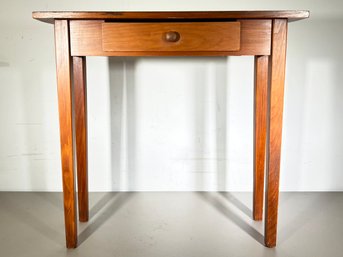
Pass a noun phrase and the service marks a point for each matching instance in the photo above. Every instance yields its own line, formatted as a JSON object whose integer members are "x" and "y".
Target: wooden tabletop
{"x": 50, "y": 16}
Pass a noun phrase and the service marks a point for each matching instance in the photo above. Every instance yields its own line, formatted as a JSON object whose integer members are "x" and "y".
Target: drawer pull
{"x": 172, "y": 36}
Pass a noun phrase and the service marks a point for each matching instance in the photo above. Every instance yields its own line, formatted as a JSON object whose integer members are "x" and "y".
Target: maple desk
{"x": 262, "y": 34}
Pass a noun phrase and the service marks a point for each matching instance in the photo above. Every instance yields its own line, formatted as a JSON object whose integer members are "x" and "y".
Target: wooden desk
{"x": 262, "y": 34}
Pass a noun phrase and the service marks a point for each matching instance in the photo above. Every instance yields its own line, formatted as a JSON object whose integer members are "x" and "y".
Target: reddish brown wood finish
{"x": 276, "y": 79}
{"x": 262, "y": 33}
{"x": 63, "y": 63}
{"x": 80, "y": 97}
{"x": 214, "y": 15}
{"x": 260, "y": 130}
{"x": 149, "y": 36}
{"x": 86, "y": 39}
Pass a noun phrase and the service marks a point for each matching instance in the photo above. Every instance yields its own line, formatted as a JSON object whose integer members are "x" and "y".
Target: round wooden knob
{"x": 172, "y": 36}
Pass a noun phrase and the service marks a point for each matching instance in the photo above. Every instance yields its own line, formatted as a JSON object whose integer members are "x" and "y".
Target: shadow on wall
{"x": 30, "y": 126}
{"x": 123, "y": 118}
{"x": 313, "y": 142}
{"x": 29, "y": 133}
{"x": 4, "y": 64}
{"x": 312, "y": 145}
{"x": 312, "y": 122}
{"x": 203, "y": 157}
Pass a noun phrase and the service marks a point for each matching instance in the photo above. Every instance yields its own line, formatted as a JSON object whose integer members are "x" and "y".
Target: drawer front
{"x": 177, "y": 37}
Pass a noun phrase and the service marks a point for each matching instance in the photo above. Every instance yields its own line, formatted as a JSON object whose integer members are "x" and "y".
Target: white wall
{"x": 171, "y": 123}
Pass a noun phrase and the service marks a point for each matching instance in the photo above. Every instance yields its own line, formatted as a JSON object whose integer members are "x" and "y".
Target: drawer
{"x": 176, "y": 36}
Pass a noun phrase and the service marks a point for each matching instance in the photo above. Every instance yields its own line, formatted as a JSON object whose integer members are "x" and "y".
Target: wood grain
{"x": 260, "y": 130}
{"x": 80, "y": 100}
{"x": 196, "y": 36}
{"x": 276, "y": 80}
{"x": 64, "y": 87}
{"x": 291, "y": 15}
{"x": 262, "y": 34}
{"x": 86, "y": 40}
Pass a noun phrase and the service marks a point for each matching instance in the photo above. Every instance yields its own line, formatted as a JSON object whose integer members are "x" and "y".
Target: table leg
{"x": 63, "y": 63}
{"x": 276, "y": 78}
{"x": 260, "y": 130}
{"x": 80, "y": 96}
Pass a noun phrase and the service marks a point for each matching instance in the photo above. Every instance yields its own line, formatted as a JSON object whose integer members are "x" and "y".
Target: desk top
{"x": 50, "y": 16}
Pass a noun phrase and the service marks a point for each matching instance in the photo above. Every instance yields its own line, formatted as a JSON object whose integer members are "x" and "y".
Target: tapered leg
{"x": 63, "y": 62}
{"x": 260, "y": 130}
{"x": 276, "y": 78}
{"x": 80, "y": 96}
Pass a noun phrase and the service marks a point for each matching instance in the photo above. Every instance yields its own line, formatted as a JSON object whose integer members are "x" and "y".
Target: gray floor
{"x": 171, "y": 224}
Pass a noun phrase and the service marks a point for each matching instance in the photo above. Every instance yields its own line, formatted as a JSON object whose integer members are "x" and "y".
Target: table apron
{"x": 86, "y": 39}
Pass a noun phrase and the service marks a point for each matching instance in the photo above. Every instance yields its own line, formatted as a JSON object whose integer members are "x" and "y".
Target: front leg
{"x": 276, "y": 79}
{"x": 64, "y": 88}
